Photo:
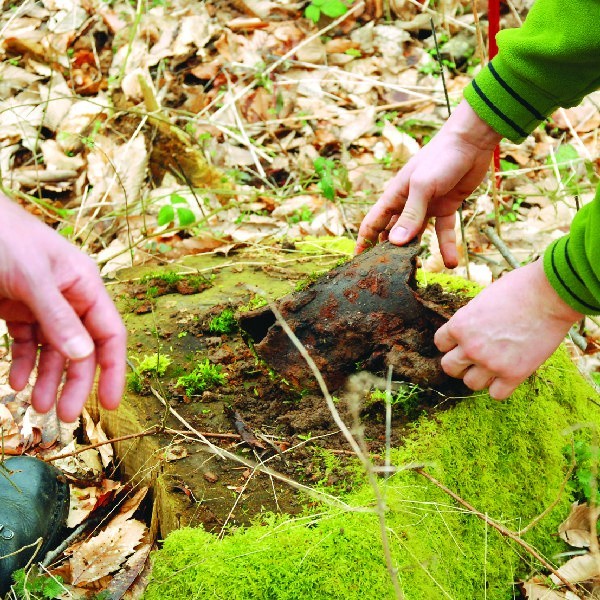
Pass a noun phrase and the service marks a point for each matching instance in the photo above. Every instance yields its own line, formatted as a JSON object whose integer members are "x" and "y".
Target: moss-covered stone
{"x": 507, "y": 459}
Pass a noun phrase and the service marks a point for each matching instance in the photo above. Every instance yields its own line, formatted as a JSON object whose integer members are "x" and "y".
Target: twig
{"x": 130, "y": 436}
{"x": 452, "y": 20}
{"x": 502, "y": 247}
{"x": 51, "y": 556}
{"x": 380, "y": 504}
{"x": 501, "y": 529}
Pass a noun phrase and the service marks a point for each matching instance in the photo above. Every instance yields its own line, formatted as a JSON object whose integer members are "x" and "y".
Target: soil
{"x": 289, "y": 427}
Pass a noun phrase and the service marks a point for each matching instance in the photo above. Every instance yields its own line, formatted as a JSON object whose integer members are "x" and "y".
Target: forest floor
{"x": 149, "y": 132}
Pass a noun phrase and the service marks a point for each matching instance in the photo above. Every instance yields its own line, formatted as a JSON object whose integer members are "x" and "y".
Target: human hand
{"x": 52, "y": 298}
{"x": 433, "y": 183}
{"x": 506, "y": 332}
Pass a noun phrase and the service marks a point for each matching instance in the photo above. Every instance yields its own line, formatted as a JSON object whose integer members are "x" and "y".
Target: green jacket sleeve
{"x": 553, "y": 60}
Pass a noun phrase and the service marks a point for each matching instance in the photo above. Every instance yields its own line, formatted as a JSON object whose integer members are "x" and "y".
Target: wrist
{"x": 471, "y": 129}
{"x": 554, "y": 305}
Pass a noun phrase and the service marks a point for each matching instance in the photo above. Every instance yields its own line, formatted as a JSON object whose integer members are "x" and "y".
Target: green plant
{"x": 325, "y": 170}
{"x": 304, "y": 213}
{"x": 177, "y": 210}
{"x": 223, "y": 323}
{"x": 587, "y": 460}
{"x": 330, "y": 8}
{"x": 167, "y": 277}
{"x": 405, "y": 398}
{"x": 32, "y": 586}
{"x": 204, "y": 376}
{"x": 134, "y": 382}
{"x": 155, "y": 364}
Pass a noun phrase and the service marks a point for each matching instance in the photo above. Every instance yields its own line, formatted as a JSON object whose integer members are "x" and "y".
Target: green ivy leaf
{"x": 313, "y": 13}
{"x": 334, "y": 8}
{"x": 177, "y": 199}
{"x": 186, "y": 216}
{"x": 165, "y": 215}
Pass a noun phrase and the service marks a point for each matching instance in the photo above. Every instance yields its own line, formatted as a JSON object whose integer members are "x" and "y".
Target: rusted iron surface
{"x": 362, "y": 315}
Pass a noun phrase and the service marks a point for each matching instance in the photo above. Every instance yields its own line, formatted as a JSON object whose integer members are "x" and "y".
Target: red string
{"x": 493, "y": 28}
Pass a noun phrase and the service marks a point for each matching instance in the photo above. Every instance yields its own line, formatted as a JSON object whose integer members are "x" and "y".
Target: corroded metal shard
{"x": 362, "y": 315}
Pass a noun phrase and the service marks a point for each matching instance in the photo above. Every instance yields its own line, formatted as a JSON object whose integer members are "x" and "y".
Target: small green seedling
{"x": 330, "y": 8}
{"x": 155, "y": 364}
{"x": 32, "y": 586}
{"x": 223, "y": 323}
{"x": 204, "y": 376}
{"x": 176, "y": 210}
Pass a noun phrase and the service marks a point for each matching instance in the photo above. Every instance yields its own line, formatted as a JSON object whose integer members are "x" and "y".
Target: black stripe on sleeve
{"x": 568, "y": 258}
{"x": 560, "y": 279}
{"x": 514, "y": 94}
{"x": 497, "y": 111}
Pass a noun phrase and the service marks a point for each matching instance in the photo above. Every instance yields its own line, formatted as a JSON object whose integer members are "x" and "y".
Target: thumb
{"x": 410, "y": 222}
{"x": 59, "y": 322}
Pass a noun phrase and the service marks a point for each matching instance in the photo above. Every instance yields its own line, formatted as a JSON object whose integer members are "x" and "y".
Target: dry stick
{"x": 502, "y": 530}
{"x": 153, "y": 431}
{"x": 380, "y": 505}
{"x": 130, "y": 436}
{"x": 502, "y": 247}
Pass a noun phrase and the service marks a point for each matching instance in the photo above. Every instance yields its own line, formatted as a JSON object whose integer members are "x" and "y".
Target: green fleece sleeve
{"x": 553, "y": 60}
{"x": 572, "y": 263}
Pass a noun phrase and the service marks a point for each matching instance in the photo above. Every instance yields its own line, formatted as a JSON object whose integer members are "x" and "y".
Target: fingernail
{"x": 79, "y": 347}
{"x": 398, "y": 235}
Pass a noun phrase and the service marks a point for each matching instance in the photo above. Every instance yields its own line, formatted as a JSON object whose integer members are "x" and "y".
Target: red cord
{"x": 493, "y": 29}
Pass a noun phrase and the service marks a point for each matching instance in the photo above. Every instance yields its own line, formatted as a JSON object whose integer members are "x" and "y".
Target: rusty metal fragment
{"x": 365, "y": 314}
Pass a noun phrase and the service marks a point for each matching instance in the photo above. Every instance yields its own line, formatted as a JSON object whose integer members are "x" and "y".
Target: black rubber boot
{"x": 34, "y": 503}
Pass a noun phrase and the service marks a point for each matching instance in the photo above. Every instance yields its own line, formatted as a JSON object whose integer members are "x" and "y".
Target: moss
{"x": 224, "y": 322}
{"x": 504, "y": 458}
{"x": 450, "y": 283}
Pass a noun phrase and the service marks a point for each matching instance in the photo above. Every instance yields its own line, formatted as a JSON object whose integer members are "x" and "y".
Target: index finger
{"x": 103, "y": 322}
{"x": 377, "y": 219}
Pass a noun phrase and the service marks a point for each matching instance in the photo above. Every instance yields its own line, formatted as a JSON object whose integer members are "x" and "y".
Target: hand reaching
{"x": 52, "y": 298}
{"x": 506, "y": 332}
{"x": 433, "y": 184}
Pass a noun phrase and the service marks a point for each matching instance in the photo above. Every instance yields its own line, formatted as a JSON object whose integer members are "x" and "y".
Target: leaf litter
{"x": 111, "y": 111}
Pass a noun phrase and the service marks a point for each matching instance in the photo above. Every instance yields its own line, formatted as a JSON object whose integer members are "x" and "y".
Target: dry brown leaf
{"x": 84, "y": 500}
{"x": 579, "y": 568}
{"x": 105, "y": 553}
{"x": 83, "y": 466}
{"x": 536, "y": 591}
{"x": 95, "y": 435}
{"x": 575, "y": 529}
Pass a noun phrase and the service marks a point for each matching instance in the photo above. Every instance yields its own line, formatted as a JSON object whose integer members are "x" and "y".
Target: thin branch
{"x": 502, "y": 247}
{"x": 502, "y": 530}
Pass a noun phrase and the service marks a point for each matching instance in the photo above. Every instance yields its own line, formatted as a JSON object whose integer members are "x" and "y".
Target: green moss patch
{"x": 505, "y": 458}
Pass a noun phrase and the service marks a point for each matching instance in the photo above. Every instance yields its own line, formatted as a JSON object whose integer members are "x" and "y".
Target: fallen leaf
{"x": 536, "y": 591}
{"x": 84, "y": 501}
{"x": 105, "y": 553}
{"x": 579, "y": 568}
{"x": 95, "y": 435}
{"x": 575, "y": 529}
